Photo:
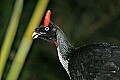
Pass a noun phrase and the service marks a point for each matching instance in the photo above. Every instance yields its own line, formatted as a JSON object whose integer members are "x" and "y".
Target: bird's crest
{"x": 47, "y": 18}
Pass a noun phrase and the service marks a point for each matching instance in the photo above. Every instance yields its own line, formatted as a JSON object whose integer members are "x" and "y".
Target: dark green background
{"x": 83, "y": 21}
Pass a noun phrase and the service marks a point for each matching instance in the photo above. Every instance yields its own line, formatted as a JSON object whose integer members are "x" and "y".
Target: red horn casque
{"x": 47, "y": 18}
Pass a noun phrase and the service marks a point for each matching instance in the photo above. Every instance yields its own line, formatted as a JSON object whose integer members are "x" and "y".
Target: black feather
{"x": 95, "y": 62}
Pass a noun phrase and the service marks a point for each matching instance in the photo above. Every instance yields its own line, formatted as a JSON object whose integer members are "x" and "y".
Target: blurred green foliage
{"x": 83, "y": 21}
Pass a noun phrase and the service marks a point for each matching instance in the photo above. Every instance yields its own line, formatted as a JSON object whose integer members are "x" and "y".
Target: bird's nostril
{"x": 37, "y": 29}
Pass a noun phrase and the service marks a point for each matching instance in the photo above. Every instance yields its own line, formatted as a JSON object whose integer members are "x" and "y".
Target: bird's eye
{"x": 46, "y": 28}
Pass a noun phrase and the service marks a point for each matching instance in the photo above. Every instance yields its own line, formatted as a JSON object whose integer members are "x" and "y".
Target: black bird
{"x": 90, "y": 62}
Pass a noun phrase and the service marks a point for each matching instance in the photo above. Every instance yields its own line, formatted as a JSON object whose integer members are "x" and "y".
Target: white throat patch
{"x": 62, "y": 60}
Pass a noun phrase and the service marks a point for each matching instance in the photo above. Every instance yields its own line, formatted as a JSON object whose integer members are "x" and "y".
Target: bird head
{"x": 47, "y": 31}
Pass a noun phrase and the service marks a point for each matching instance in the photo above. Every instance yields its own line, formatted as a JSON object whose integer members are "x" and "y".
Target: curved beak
{"x": 35, "y": 35}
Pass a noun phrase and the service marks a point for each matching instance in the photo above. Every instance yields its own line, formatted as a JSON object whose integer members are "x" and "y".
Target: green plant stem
{"x": 27, "y": 40}
{"x": 10, "y": 34}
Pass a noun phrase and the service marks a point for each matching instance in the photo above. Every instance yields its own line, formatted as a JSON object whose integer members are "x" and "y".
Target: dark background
{"x": 83, "y": 22}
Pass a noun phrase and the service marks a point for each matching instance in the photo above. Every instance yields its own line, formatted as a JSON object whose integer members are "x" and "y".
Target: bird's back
{"x": 95, "y": 62}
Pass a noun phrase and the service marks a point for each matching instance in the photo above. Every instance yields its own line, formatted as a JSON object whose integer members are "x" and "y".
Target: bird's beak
{"x": 35, "y": 35}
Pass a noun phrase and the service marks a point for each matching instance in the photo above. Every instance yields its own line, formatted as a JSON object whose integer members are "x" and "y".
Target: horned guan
{"x": 90, "y": 62}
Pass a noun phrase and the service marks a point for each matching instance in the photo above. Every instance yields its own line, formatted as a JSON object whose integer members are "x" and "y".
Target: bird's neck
{"x": 63, "y": 44}
{"x": 64, "y": 48}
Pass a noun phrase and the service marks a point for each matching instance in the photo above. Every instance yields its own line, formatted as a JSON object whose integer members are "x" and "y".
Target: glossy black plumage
{"x": 95, "y": 62}
{"x": 91, "y": 62}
